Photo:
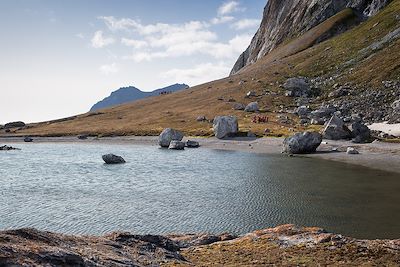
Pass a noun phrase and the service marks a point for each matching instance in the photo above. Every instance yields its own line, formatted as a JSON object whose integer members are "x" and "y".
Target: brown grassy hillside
{"x": 339, "y": 57}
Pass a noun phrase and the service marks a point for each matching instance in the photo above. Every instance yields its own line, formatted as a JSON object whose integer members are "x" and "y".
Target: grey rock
{"x": 83, "y": 136}
{"x": 396, "y": 105}
{"x": 113, "y": 159}
{"x": 15, "y": 124}
{"x": 252, "y": 107}
{"x": 302, "y": 111}
{"x": 168, "y": 135}
{"x": 251, "y": 134}
{"x": 336, "y": 130}
{"x": 192, "y": 144}
{"x": 352, "y": 151}
{"x": 360, "y": 133}
{"x": 201, "y": 118}
{"x": 239, "y": 106}
{"x": 302, "y": 143}
{"x": 177, "y": 145}
{"x": 296, "y": 87}
{"x": 338, "y": 93}
{"x": 28, "y": 139}
{"x": 225, "y": 126}
{"x": 325, "y": 111}
{"x": 251, "y": 93}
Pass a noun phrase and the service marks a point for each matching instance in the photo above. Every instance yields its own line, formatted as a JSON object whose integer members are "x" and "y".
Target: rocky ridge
{"x": 284, "y": 20}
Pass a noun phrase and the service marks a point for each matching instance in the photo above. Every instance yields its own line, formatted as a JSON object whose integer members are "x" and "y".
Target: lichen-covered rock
{"x": 302, "y": 143}
{"x": 225, "y": 126}
{"x": 239, "y": 106}
{"x": 167, "y": 135}
{"x": 113, "y": 159}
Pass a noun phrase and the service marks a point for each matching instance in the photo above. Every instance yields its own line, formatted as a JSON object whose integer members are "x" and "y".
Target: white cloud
{"x": 98, "y": 41}
{"x": 137, "y": 44}
{"x": 222, "y": 20}
{"x": 109, "y": 69}
{"x": 80, "y": 35}
{"x": 230, "y": 7}
{"x": 198, "y": 74}
{"x": 245, "y": 24}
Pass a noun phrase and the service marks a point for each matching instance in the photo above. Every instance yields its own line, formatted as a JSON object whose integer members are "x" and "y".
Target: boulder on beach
{"x": 360, "y": 133}
{"x": 201, "y": 118}
{"x": 15, "y": 124}
{"x": 225, "y": 126}
{"x": 168, "y": 135}
{"x": 82, "y": 136}
{"x": 28, "y": 139}
{"x": 177, "y": 145}
{"x": 252, "y": 107}
{"x": 302, "y": 143}
{"x": 352, "y": 151}
{"x": 192, "y": 144}
{"x": 336, "y": 129}
{"x": 113, "y": 159}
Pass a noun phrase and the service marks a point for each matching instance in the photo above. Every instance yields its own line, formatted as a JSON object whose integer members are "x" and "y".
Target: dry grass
{"x": 295, "y": 58}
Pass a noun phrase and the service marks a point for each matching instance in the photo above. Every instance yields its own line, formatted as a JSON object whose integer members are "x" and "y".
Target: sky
{"x": 58, "y": 58}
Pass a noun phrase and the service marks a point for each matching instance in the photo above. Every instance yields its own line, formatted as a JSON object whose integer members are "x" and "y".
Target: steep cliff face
{"x": 286, "y": 19}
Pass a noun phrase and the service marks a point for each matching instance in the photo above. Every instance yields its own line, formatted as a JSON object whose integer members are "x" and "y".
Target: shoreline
{"x": 377, "y": 155}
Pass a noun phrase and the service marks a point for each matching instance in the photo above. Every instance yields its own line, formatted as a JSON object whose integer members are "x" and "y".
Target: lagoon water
{"x": 65, "y": 187}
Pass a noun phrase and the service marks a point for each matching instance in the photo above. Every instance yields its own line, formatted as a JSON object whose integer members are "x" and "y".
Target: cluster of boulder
{"x": 172, "y": 139}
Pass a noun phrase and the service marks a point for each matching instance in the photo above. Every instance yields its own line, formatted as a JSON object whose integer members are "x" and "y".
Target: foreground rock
{"x": 167, "y": 135}
{"x": 113, "y": 159}
{"x": 225, "y": 126}
{"x": 302, "y": 143}
{"x": 177, "y": 145}
{"x": 285, "y": 245}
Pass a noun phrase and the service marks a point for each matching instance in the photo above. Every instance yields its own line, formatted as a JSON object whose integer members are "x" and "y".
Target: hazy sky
{"x": 58, "y": 58}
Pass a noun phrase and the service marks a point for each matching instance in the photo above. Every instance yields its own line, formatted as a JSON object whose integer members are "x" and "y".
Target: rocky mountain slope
{"x": 286, "y": 245}
{"x": 128, "y": 94}
{"x": 284, "y": 20}
{"x": 356, "y": 72}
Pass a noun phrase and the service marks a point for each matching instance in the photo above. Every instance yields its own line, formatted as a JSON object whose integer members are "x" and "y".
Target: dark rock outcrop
{"x": 113, "y": 159}
{"x": 129, "y": 94}
{"x": 15, "y": 124}
{"x": 287, "y": 19}
{"x": 28, "y": 139}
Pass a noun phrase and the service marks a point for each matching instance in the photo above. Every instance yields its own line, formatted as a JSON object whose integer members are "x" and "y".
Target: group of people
{"x": 260, "y": 119}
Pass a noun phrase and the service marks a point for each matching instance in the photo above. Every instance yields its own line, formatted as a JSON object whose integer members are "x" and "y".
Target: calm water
{"x": 67, "y": 188}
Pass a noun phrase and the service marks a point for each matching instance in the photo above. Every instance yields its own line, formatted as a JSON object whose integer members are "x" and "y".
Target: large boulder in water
{"x": 336, "y": 129}
{"x": 113, "y": 159}
{"x": 302, "y": 143}
{"x": 167, "y": 135}
{"x": 177, "y": 145}
{"x": 225, "y": 126}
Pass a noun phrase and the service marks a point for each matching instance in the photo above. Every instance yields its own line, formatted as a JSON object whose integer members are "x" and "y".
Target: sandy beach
{"x": 376, "y": 155}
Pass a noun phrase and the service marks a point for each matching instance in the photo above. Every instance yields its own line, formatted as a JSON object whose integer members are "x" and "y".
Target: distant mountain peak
{"x": 128, "y": 94}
